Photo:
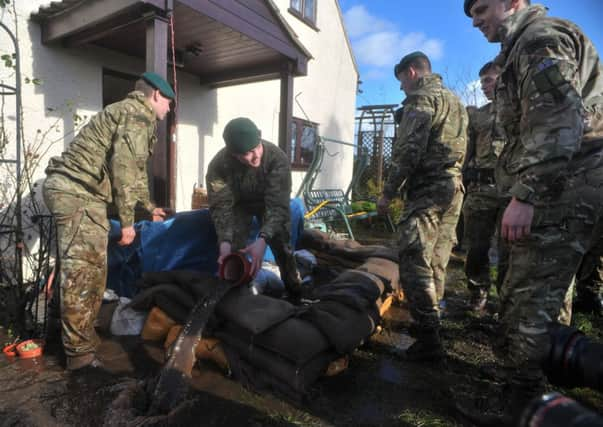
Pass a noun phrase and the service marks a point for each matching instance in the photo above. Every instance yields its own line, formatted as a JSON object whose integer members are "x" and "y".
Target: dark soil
{"x": 378, "y": 389}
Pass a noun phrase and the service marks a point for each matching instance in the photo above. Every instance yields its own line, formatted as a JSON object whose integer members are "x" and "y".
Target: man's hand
{"x": 517, "y": 220}
{"x": 160, "y": 214}
{"x": 256, "y": 251}
{"x": 225, "y": 249}
{"x": 127, "y": 236}
{"x": 383, "y": 205}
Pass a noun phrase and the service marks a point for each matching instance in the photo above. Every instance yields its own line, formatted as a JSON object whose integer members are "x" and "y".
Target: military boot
{"x": 478, "y": 301}
{"x": 88, "y": 360}
{"x": 426, "y": 348}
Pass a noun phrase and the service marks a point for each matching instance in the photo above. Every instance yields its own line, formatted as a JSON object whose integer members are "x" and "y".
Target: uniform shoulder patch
{"x": 548, "y": 77}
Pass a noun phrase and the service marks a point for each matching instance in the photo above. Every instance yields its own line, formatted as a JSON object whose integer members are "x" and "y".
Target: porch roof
{"x": 221, "y": 41}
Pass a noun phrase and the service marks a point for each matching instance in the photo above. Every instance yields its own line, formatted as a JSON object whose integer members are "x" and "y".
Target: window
{"x": 304, "y": 135}
{"x": 304, "y": 10}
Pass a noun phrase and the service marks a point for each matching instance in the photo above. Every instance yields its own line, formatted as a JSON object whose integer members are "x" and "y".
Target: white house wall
{"x": 328, "y": 93}
{"x": 327, "y": 96}
{"x": 72, "y": 80}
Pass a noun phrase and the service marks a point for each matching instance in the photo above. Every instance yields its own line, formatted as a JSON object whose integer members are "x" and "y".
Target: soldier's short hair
{"x": 418, "y": 60}
{"x": 489, "y": 66}
{"x": 468, "y": 4}
{"x": 142, "y": 86}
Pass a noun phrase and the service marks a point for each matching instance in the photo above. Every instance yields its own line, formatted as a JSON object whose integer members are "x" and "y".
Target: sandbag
{"x": 294, "y": 339}
{"x": 297, "y": 377}
{"x": 254, "y": 313}
{"x": 344, "y": 327}
{"x": 157, "y": 326}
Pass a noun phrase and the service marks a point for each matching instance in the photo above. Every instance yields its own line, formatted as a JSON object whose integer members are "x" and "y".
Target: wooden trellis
{"x": 375, "y": 136}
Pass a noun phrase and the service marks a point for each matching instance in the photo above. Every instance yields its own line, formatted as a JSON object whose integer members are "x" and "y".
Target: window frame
{"x": 295, "y": 160}
{"x": 300, "y": 14}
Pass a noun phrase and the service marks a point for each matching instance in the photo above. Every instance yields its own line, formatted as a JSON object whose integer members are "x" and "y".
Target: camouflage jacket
{"x": 265, "y": 190}
{"x": 432, "y": 138}
{"x": 549, "y": 102}
{"x": 484, "y": 144}
{"x": 109, "y": 155}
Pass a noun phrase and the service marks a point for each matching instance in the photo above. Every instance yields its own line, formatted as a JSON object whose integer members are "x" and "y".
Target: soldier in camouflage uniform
{"x": 250, "y": 177}
{"x": 105, "y": 164}
{"x": 482, "y": 208}
{"x": 549, "y": 100}
{"x": 426, "y": 167}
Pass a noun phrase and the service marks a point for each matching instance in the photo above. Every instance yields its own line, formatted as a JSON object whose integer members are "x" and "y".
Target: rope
{"x": 174, "y": 76}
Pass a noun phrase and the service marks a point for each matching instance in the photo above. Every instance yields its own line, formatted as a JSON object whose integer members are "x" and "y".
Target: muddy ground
{"x": 378, "y": 388}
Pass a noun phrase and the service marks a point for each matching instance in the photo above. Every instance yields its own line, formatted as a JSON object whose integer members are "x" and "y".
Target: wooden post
{"x": 286, "y": 109}
{"x": 156, "y": 61}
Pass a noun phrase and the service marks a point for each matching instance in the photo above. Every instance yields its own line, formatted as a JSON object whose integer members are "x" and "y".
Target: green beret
{"x": 241, "y": 135}
{"x": 159, "y": 83}
{"x": 468, "y": 5}
{"x": 405, "y": 62}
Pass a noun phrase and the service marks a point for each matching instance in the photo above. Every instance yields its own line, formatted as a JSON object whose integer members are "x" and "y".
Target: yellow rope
{"x": 317, "y": 208}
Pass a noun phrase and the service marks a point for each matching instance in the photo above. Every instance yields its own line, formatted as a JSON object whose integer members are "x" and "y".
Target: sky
{"x": 383, "y": 31}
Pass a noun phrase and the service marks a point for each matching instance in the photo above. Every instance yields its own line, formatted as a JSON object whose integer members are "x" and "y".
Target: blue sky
{"x": 382, "y": 31}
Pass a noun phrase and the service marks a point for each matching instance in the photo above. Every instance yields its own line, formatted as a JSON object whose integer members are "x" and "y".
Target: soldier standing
{"x": 426, "y": 167}
{"x": 549, "y": 99}
{"x": 105, "y": 164}
{"x": 482, "y": 206}
{"x": 250, "y": 177}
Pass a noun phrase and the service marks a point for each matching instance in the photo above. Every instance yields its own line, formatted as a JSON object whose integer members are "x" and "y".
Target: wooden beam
{"x": 286, "y": 110}
{"x": 260, "y": 72}
{"x": 238, "y": 17}
{"x": 87, "y": 15}
{"x": 104, "y": 29}
{"x": 156, "y": 61}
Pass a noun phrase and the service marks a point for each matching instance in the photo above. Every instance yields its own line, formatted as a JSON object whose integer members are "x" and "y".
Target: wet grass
{"x": 424, "y": 418}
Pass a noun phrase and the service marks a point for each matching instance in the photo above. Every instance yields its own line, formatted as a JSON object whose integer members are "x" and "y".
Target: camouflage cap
{"x": 467, "y": 6}
{"x": 159, "y": 83}
{"x": 241, "y": 135}
{"x": 405, "y": 61}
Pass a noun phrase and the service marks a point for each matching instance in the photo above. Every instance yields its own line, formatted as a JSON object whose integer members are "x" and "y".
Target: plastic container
{"x": 235, "y": 268}
{"x": 10, "y": 350}
{"x": 27, "y": 353}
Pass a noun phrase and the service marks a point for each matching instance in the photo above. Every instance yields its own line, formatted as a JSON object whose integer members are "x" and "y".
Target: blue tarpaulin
{"x": 187, "y": 241}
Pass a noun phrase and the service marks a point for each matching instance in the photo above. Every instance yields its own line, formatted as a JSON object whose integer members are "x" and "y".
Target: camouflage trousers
{"x": 82, "y": 232}
{"x": 482, "y": 212}
{"x": 279, "y": 244}
{"x": 427, "y": 234}
{"x": 542, "y": 268}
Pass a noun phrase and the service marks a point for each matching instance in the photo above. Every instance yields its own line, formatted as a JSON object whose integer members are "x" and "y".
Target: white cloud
{"x": 378, "y": 44}
{"x": 384, "y": 49}
{"x": 358, "y": 22}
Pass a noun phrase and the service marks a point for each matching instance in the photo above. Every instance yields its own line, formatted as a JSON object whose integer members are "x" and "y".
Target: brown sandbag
{"x": 157, "y": 325}
{"x": 207, "y": 349}
{"x": 337, "y": 366}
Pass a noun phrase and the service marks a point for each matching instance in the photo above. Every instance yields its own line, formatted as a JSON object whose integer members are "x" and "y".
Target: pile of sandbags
{"x": 271, "y": 343}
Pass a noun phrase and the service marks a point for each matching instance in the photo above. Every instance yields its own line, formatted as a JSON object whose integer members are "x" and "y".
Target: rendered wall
{"x": 71, "y": 84}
